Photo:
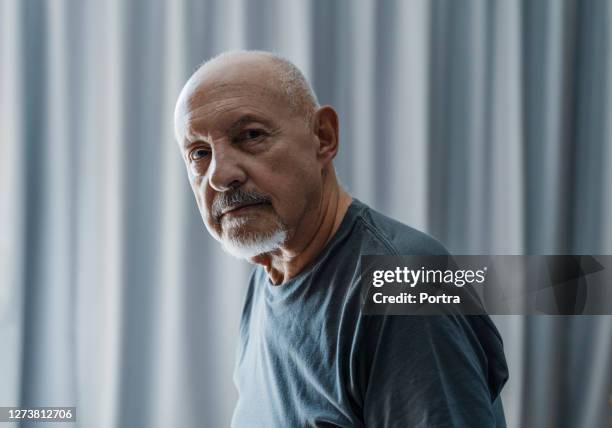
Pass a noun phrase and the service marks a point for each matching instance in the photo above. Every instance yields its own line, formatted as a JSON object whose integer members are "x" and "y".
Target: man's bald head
{"x": 258, "y": 150}
{"x": 275, "y": 74}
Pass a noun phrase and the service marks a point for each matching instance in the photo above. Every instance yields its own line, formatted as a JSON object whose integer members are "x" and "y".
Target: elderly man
{"x": 259, "y": 153}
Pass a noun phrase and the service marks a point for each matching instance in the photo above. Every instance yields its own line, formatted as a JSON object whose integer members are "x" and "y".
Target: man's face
{"x": 252, "y": 163}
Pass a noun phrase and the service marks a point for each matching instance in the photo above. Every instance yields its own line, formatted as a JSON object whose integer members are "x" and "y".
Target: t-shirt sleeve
{"x": 425, "y": 371}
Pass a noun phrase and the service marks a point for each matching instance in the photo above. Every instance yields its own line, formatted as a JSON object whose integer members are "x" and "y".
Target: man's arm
{"x": 432, "y": 371}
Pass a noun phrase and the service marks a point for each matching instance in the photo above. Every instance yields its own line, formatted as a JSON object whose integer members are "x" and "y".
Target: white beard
{"x": 251, "y": 245}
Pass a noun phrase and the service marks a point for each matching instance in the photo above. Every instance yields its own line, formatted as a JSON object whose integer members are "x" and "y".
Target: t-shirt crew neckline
{"x": 280, "y": 291}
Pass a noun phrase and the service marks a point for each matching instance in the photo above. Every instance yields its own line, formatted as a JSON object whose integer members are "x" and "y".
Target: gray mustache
{"x": 235, "y": 198}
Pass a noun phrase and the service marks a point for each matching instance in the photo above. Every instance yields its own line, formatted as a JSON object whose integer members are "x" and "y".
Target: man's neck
{"x": 282, "y": 265}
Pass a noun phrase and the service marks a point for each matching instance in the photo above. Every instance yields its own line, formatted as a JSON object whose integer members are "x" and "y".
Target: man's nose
{"x": 225, "y": 171}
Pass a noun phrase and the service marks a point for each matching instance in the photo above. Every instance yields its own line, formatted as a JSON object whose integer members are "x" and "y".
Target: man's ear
{"x": 326, "y": 129}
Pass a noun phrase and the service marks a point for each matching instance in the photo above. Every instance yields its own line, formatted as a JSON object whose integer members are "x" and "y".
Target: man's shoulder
{"x": 394, "y": 237}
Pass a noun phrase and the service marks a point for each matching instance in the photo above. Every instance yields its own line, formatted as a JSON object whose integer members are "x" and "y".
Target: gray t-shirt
{"x": 307, "y": 357}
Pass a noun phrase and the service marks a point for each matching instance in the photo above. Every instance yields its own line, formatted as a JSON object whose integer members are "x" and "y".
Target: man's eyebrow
{"x": 192, "y": 139}
{"x": 244, "y": 119}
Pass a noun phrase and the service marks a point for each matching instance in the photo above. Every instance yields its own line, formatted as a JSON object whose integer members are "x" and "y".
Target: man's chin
{"x": 253, "y": 246}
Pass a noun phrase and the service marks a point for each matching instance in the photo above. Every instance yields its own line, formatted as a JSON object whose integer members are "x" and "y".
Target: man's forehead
{"x": 226, "y": 122}
{"x": 213, "y": 94}
{"x": 207, "y": 94}
{"x": 215, "y": 110}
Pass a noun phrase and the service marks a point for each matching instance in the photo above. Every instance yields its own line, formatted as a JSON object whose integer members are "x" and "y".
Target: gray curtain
{"x": 485, "y": 123}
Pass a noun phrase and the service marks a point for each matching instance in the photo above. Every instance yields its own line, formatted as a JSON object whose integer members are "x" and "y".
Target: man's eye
{"x": 251, "y": 134}
{"x": 198, "y": 154}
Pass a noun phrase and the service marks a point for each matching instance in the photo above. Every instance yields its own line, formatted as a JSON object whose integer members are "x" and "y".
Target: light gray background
{"x": 486, "y": 123}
